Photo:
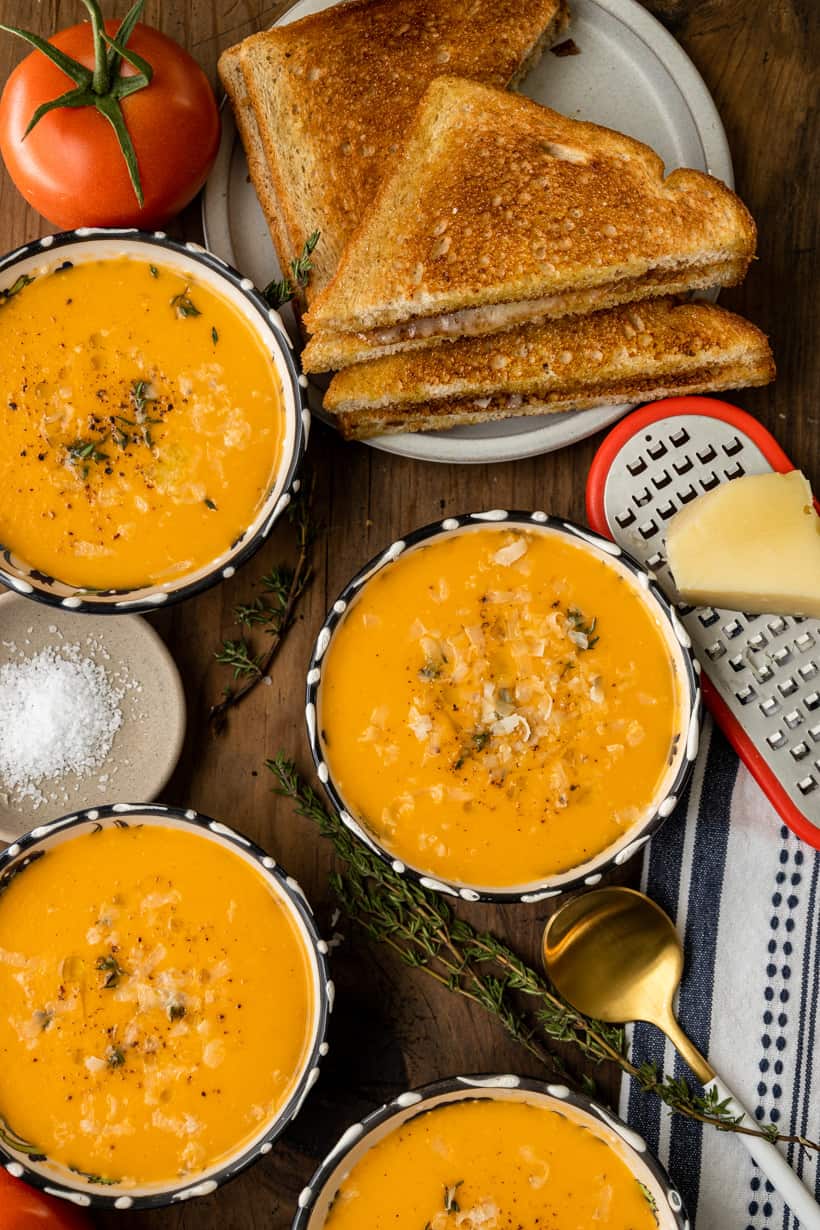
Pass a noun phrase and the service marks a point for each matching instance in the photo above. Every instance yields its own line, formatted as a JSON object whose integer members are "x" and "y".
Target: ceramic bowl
{"x": 59, "y": 1180}
{"x": 316, "y": 1199}
{"x": 89, "y": 243}
{"x": 677, "y": 639}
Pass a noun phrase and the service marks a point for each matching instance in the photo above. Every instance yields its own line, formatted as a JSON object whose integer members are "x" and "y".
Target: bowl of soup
{"x": 164, "y": 998}
{"x": 503, "y": 705}
{"x": 151, "y": 425}
{"x": 487, "y": 1153}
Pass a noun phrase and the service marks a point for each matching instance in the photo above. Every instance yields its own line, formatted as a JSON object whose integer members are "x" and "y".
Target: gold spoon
{"x": 614, "y": 955}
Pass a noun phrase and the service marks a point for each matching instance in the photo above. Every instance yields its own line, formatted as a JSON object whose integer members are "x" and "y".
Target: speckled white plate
{"x": 147, "y": 745}
{"x": 631, "y": 75}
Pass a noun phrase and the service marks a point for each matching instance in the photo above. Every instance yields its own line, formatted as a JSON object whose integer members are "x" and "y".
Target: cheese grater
{"x": 762, "y": 672}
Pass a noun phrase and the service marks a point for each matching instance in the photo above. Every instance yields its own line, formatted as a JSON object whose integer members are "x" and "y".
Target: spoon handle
{"x": 773, "y": 1164}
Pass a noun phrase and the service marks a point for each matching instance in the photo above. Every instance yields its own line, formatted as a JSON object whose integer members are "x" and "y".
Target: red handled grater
{"x": 762, "y": 671}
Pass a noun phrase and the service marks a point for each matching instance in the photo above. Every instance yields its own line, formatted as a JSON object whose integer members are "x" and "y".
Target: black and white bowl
{"x": 316, "y": 1199}
{"x": 89, "y": 243}
{"x": 23, "y": 1161}
{"x": 687, "y": 735}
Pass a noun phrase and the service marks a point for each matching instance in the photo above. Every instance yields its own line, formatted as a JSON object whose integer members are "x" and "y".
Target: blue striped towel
{"x": 745, "y": 894}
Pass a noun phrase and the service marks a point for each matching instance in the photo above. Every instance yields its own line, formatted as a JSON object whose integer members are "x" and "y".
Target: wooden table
{"x": 392, "y": 1030}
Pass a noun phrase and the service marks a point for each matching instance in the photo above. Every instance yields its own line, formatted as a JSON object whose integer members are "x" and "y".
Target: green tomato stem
{"x": 101, "y": 80}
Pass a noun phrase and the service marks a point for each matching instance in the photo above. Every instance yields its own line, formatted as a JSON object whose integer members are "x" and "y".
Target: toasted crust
{"x": 333, "y": 94}
{"x": 440, "y": 416}
{"x": 628, "y": 353}
{"x": 230, "y": 74}
{"x": 495, "y": 199}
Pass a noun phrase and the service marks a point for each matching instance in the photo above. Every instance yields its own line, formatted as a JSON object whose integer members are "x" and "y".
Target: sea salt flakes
{"x": 59, "y": 713}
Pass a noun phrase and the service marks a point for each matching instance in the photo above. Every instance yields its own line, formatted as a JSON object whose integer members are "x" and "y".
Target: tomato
{"x": 24, "y": 1208}
{"x": 71, "y": 166}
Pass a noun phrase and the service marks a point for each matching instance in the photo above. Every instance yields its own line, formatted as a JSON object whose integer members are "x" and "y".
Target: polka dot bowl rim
{"x": 591, "y": 872}
{"x": 316, "y": 1197}
{"x": 61, "y": 1183}
{"x": 91, "y": 242}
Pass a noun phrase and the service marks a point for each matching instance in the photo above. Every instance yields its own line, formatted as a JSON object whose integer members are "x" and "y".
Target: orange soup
{"x": 141, "y": 423}
{"x": 499, "y": 705}
{"x": 493, "y": 1165}
{"x": 156, "y": 1004}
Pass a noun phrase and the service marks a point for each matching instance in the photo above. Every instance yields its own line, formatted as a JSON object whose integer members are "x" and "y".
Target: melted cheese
{"x": 155, "y": 1003}
{"x": 137, "y": 438}
{"x": 491, "y": 1165}
{"x": 499, "y": 706}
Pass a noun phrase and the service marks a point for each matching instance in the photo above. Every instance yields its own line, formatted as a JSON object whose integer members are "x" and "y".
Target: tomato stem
{"x": 100, "y": 81}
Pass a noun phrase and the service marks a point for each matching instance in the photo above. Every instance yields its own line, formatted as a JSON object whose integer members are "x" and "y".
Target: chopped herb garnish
{"x": 92, "y": 1178}
{"x": 154, "y": 271}
{"x": 209, "y": 504}
{"x": 577, "y": 619}
{"x": 112, "y": 969}
{"x": 184, "y": 305}
{"x": 86, "y": 451}
{"x": 649, "y": 1198}
{"x": 451, "y": 1205}
{"x": 115, "y": 1057}
{"x": 214, "y": 335}
{"x": 141, "y": 396}
{"x": 43, "y": 1017}
{"x": 278, "y": 293}
{"x": 430, "y": 670}
{"x": 176, "y": 1011}
{"x": 477, "y": 742}
{"x": 15, "y": 288}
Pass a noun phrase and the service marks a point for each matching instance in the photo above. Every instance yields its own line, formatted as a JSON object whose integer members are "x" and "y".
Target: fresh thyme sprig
{"x": 272, "y": 613}
{"x": 420, "y": 927}
{"x": 281, "y": 292}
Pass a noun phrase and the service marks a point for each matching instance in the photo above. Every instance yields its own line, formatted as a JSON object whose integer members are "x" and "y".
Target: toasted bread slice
{"x": 497, "y": 205}
{"x": 632, "y": 353}
{"x": 230, "y": 72}
{"x": 333, "y": 94}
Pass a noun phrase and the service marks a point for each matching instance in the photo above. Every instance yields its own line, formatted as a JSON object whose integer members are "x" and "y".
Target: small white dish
{"x": 631, "y": 75}
{"x": 145, "y": 748}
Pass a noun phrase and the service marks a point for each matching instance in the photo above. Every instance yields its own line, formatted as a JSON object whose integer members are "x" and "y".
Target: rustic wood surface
{"x": 391, "y": 1030}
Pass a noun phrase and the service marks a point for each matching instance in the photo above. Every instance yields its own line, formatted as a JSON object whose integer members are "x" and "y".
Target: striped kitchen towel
{"x": 745, "y": 894}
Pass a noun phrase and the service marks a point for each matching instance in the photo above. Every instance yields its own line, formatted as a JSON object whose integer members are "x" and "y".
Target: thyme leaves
{"x": 112, "y": 969}
{"x": 184, "y": 305}
{"x": 271, "y": 612}
{"x": 21, "y": 283}
{"x": 451, "y": 1204}
{"x": 280, "y": 292}
{"x": 582, "y": 631}
{"x": 420, "y": 928}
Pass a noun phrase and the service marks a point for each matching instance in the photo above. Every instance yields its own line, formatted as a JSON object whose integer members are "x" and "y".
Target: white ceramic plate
{"x": 631, "y": 75}
{"x": 147, "y": 745}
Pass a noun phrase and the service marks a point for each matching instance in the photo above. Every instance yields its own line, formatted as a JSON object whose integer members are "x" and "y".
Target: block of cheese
{"x": 752, "y": 544}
